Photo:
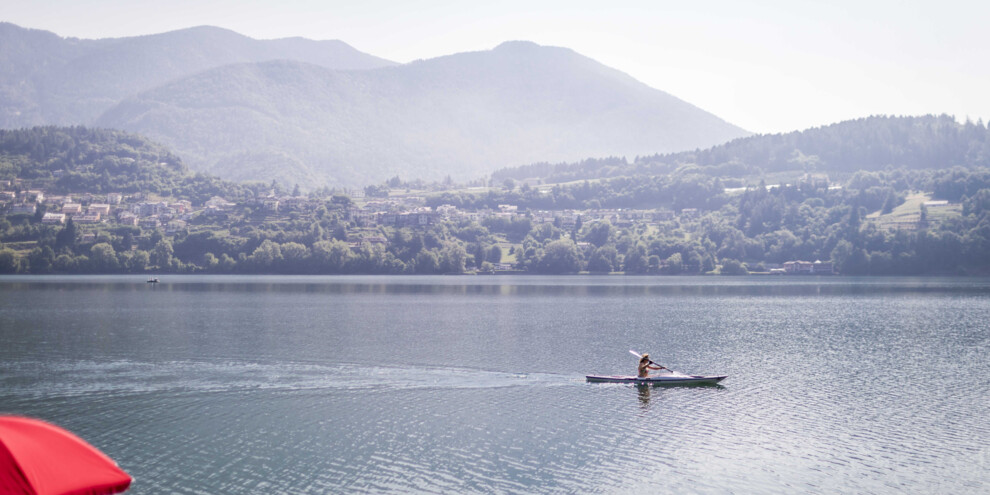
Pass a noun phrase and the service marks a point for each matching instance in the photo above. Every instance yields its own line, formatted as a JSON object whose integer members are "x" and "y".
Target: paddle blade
{"x": 634, "y": 353}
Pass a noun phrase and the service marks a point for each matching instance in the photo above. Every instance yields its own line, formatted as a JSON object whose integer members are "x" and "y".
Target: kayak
{"x": 672, "y": 379}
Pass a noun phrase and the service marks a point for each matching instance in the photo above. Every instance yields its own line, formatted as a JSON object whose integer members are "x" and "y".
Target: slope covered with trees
{"x": 64, "y": 160}
{"x": 871, "y": 144}
{"x": 872, "y": 223}
{"x": 761, "y": 225}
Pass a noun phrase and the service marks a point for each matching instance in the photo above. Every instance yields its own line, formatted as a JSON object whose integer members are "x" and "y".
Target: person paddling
{"x": 645, "y": 365}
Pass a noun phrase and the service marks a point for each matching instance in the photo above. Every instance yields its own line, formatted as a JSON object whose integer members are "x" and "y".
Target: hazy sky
{"x": 767, "y": 66}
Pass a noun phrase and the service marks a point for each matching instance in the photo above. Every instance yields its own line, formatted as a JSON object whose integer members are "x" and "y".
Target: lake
{"x": 475, "y": 384}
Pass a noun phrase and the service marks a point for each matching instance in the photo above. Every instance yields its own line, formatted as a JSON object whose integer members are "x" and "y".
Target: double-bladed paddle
{"x": 634, "y": 353}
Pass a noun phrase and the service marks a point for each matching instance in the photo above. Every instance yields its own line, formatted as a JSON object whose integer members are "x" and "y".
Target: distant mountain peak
{"x": 524, "y": 48}
{"x": 518, "y": 45}
{"x": 204, "y": 28}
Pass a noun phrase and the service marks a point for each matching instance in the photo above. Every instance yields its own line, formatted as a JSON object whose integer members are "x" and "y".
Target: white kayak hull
{"x": 658, "y": 380}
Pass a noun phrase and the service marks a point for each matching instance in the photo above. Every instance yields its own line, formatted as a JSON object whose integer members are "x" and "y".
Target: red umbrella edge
{"x": 39, "y": 458}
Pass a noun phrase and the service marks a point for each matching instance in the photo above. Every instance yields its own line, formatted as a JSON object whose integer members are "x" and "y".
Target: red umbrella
{"x": 39, "y": 458}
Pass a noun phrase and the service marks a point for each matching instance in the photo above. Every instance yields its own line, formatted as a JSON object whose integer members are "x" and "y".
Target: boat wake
{"x": 77, "y": 378}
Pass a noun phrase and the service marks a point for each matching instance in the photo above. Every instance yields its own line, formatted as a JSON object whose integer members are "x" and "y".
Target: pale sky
{"x": 767, "y": 66}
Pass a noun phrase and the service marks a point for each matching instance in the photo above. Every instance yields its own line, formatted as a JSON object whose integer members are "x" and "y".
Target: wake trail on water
{"x": 78, "y": 378}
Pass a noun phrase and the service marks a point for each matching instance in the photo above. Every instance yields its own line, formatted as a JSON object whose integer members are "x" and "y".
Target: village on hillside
{"x": 91, "y": 212}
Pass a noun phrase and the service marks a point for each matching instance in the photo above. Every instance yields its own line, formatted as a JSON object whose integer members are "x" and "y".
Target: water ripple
{"x": 273, "y": 388}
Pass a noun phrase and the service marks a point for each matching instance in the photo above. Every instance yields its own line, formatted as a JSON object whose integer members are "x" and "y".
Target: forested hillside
{"x": 873, "y": 223}
{"x": 893, "y": 221}
{"x": 870, "y": 144}
{"x": 64, "y": 160}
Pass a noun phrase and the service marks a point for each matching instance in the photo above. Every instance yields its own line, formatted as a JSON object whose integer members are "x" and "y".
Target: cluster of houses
{"x": 410, "y": 212}
{"x": 817, "y": 267}
{"x": 136, "y": 210}
{"x": 94, "y": 208}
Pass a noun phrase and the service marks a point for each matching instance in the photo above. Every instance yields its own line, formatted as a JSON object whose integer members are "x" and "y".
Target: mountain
{"x": 46, "y": 79}
{"x": 322, "y": 113}
{"x": 869, "y": 144}
{"x": 461, "y": 115}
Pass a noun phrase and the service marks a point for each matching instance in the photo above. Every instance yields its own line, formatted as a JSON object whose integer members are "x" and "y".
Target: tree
{"x": 376, "y": 191}
{"x": 103, "y": 258}
{"x": 849, "y": 259}
{"x": 427, "y": 262}
{"x": 479, "y": 255}
{"x": 635, "y": 261}
{"x": 603, "y": 260}
{"x": 65, "y": 240}
{"x": 126, "y": 241}
{"x": 267, "y": 255}
{"x": 39, "y": 212}
{"x": 41, "y": 259}
{"x": 161, "y": 255}
{"x": 316, "y": 233}
{"x": 599, "y": 233}
{"x": 137, "y": 261}
{"x": 452, "y": 258}
{"x": 732, "y": 267}
{"x": 331, "y": 256}
{"x": 341, "y": 201}
{"x": 295, "y": 256}
{"x": 227, "y": 264}
{"x": 64, "y": 263}
{"x": 8, "y": 261}
{"x": 674, "y": 264}
{"x": 494, "y": 254}
{"x": 560, "y": 256}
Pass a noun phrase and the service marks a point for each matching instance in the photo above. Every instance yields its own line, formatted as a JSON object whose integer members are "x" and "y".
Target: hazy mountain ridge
{"x": 286, "y": 109}
{"x": 52, "y": 80}
{"x": 462, "y": 115}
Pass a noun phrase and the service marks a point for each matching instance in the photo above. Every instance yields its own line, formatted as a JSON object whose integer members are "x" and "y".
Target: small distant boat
{"x": 671, "y": 379}
{"x": 153, "y": 280}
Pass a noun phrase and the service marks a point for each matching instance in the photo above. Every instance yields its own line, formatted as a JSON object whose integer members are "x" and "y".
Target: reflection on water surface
{"x": 476, "y": 384}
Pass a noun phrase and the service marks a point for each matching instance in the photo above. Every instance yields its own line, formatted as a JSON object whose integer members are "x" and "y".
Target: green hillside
{"x": 64, "y": 160}
{"x": 872, "y": 223}
{"x": 838, "y": 150}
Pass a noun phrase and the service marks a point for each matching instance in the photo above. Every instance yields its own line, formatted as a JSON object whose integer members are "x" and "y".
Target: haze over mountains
{"x": 321, "y": 113}
{"x": 46, "y": 79}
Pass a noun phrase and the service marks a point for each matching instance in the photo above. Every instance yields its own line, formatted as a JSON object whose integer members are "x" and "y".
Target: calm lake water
{"x": 212, "y": 384}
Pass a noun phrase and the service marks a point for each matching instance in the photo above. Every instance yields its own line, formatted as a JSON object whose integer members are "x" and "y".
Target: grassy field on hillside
{"x": 909, "y": 213}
